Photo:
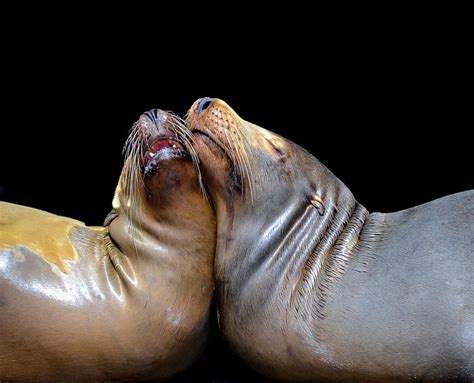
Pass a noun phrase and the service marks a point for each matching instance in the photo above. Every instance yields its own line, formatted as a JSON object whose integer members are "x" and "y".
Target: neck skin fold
{"x": 303, "y": 244}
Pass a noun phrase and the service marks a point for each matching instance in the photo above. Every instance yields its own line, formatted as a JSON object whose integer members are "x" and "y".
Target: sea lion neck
{"x": 142, "y": 234}
{"x": 315, "y": 216}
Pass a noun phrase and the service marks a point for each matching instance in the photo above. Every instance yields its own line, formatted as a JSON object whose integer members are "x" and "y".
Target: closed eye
{"x": 281, "y": 155}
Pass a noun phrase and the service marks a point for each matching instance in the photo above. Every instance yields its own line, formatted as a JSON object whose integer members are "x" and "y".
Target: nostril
{"x": 152, "y": 115}
{"x": 203, "y": 104}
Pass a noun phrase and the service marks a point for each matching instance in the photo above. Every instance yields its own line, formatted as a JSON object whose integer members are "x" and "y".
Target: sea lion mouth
{"x": 234, "y": 174}
{"x": 161, "y": 144}
{"x": 156, "y": 136}
{"x": 164, "y": 132}
{"x": 160, "y": 149}
{"x": 207, "y": 137}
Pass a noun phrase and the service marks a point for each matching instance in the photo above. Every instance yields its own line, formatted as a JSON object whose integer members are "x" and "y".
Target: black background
{"x": 388, "y": 108}
{"x": 395, "y": 138}
{"x": 389, "y": 117}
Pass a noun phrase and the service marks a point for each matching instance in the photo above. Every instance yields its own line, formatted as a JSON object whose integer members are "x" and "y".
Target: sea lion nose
{"x": 152, "y": 115}
{"x": 203, "y": 104}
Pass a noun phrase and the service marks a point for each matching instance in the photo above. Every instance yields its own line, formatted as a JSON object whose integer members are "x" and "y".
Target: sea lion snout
{"x": 155, "y": 123}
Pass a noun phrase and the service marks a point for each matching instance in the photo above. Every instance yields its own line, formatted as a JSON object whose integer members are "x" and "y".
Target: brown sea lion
{"x": 127, "y": 301}
{"x": 313, "y": 287}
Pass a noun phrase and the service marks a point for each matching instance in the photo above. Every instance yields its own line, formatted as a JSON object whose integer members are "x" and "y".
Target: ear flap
{"x": 110, "y": 217}
{"x": 318, "y": 203}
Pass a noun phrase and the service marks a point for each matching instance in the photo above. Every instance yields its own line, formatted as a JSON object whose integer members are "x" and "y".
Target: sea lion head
{"x": 250, "y": 167}
{"x": 159, "y": 190}
{"x": 232, "y": 150}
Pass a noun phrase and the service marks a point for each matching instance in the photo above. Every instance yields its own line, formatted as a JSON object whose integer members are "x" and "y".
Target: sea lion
{"x": 311, "y": 286}
{"x": 127, "y": 301}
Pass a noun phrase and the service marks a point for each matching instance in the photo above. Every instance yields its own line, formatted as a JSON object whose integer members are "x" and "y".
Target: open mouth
{"x": 162, "y": 144}
{"x": 162, "y": 148}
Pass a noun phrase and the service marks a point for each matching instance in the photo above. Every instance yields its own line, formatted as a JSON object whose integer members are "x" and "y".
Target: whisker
{"x": 178, "y": 126}
{"x": 237, "y": 146}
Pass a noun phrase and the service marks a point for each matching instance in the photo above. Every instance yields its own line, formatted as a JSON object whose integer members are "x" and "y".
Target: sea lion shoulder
{"x": 46, "y": 235}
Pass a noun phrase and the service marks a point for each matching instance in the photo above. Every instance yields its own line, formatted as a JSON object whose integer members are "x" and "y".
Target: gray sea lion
{"x": 127, "y": 301}
{"x": 313, "y": 287}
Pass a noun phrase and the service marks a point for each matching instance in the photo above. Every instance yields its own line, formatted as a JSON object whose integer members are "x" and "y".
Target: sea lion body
{"x": 409, "y": 313}
{"x": 311, "y": 287}
{"x": 52, "y": 320}
{"x": 128, "y": 301}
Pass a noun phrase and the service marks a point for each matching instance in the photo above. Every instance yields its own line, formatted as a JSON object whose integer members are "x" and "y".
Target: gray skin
{"x": 135, "y": 302}
{"x": 311, "y": 287}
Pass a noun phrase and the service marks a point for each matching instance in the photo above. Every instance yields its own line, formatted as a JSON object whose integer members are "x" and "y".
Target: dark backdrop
{"x": 389, "y": 115}
{"x": 396, "y": 135}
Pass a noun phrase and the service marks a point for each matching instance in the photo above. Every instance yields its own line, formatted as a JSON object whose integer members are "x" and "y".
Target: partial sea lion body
{"x": 310, "y": 286}
{"x": 126, "y": 301}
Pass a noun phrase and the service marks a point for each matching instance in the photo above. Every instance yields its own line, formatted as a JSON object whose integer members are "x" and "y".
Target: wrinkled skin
{"x": 311, "y": 287}
{"x": 128, "y": 301}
